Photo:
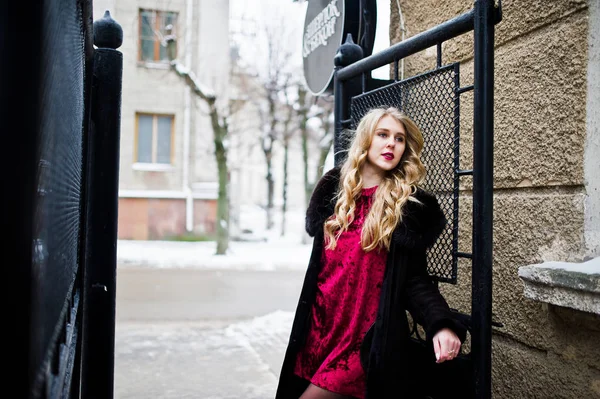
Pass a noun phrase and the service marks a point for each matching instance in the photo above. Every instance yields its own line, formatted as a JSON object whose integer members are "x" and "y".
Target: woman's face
{"x": 387, "y": 146}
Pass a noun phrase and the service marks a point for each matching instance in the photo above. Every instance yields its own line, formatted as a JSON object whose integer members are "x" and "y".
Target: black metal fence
{"x": 432, "y": 100}
{"x": 62, "y": 97}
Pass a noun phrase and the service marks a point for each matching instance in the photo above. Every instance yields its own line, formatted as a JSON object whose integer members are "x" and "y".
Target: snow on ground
{"x": 197, "y": 360}
{"x": 242, "y": 255}
{"x": 263, "y": 249}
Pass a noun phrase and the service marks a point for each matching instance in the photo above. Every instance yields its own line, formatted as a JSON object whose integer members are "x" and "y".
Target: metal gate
{"x": 61, "y": 95}
{"x": 432, "y": 100}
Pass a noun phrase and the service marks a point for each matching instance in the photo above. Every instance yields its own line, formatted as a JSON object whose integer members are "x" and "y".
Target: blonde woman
{"x": 371, "y": 225}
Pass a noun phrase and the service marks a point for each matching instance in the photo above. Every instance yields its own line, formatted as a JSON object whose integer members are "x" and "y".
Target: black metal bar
{"x": 464, "y": 255}
{"x": 363, "y": 82}
{"x": 439, "y": 55}
{"x": 464, "y": 172}
{"x": 456, "y": 181}
{"x": 483, "y": 152}
{"x": 465, "y": 89}
{"x": 102, "y": 213}
{"x": 348, "y": 53}
{"x": 340, "y": 114}
{"x": 440, "y": 33}
{"x": 396, "y": 72}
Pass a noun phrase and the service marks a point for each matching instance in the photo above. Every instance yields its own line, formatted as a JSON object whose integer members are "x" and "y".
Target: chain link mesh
{"x": 430, "y": 100}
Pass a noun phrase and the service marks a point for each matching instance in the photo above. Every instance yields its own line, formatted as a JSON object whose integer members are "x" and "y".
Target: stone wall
{"x": 542, "y": 195}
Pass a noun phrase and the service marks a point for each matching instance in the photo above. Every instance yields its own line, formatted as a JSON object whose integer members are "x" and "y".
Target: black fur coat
{"x": 406, "y": 286}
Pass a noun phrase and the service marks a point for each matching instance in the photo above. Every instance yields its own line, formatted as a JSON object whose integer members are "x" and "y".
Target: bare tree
{"x": 268, "y": 140}
{"x": 276, "y": 71}
{"x": 303, "y": 109}
{"x": 220, "y": 127}
{"x": 323, "y": 110}
{"x": 290, "y": 127}
{"x": 319, "y": 109}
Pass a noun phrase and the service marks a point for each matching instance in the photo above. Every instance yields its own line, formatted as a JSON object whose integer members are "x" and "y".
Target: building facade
{"x": 168, "y": 174}
{"x": 163, "y": 189}
{"x": 546, "y": 187}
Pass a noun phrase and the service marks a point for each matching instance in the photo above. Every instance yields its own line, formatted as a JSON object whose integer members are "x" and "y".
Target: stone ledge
{"x": 571, "y": 285}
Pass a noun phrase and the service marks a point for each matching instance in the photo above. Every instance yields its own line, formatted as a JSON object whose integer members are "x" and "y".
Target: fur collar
{"x": 422, "y": 223}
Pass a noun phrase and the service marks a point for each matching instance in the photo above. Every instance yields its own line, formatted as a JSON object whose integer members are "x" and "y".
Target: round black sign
{"x": 323, "y": 34}
{"x": 326, "y": 26}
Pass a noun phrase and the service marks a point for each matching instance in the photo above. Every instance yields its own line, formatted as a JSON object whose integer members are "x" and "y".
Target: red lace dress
{"x": 346, "y": 303}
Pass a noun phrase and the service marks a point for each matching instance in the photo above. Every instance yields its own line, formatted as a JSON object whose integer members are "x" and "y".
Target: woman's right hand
{"x": 446, "y": 345}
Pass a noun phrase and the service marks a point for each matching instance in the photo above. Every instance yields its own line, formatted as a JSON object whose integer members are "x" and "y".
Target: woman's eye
{"x": 400, "y": 139}
{"x": 382, "y": 135}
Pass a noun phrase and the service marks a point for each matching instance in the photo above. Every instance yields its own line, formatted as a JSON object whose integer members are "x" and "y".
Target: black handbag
{"x": 427, "y": 379}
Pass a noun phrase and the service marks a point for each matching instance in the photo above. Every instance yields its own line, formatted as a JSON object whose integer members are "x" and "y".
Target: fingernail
{"x": 437, "y": 356}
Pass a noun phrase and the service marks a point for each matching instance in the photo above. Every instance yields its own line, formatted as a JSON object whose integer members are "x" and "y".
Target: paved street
{"x": 202, "y": 333}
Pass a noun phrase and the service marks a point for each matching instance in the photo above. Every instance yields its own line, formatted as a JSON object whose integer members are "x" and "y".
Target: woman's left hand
{"x": 446, "y": 345}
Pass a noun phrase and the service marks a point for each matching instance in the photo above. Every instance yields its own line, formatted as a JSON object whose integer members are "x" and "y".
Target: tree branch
{"x": 202, "y": 91}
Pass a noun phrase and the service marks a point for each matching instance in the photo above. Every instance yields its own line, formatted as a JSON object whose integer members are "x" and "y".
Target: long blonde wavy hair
{"x": 396, "y": 188}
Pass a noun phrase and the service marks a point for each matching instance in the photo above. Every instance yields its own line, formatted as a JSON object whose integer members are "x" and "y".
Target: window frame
{"x": 154, "y": 154}
{"x": 158, "y": 16}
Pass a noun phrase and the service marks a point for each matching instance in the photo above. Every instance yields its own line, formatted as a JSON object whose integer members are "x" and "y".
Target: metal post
{"x": 347, "y": 54}
{"x": 339, "y": 114}
{"x": 102, "y": 170}
{"x": 483, "y": 184}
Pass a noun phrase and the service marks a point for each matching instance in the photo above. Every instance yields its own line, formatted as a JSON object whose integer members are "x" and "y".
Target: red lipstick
{"x": 388, "y": 155}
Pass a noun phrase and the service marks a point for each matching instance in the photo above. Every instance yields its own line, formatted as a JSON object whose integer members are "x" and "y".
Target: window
{"x": 152, "y": 29}
{"x": 154, "y": 139}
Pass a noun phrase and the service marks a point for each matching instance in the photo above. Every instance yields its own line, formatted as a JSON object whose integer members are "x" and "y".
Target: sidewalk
{"x": 201, "y": 361}
{"x": 192, "y": 324}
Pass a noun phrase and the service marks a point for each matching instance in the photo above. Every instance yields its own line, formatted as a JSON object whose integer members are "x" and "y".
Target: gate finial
{"x": 107, "y": 32}
{"x": 348, "y": 53}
